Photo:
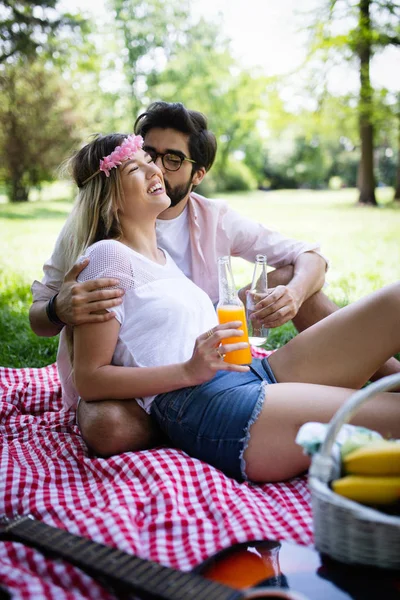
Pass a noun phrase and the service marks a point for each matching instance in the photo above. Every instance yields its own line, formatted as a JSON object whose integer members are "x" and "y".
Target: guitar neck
{"x": 146, "y": 578}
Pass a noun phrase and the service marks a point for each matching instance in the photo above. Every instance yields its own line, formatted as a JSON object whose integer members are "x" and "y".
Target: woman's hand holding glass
{"x": 209, "y": 351}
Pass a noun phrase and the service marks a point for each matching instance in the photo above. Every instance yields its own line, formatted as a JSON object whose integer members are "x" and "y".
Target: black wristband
{"x": 51, "y": 312}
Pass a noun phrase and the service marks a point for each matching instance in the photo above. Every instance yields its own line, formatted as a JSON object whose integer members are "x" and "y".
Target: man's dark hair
{"x": 173, "y": 115}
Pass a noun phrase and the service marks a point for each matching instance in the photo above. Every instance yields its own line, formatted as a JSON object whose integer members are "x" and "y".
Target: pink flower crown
{"x": 125, "y": 151}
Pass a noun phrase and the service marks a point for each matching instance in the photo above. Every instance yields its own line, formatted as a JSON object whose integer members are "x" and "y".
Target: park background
{"x": 304, "y": 98}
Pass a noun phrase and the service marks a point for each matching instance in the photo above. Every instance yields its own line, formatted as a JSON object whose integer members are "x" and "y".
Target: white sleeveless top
{"x": 162, "y": 313}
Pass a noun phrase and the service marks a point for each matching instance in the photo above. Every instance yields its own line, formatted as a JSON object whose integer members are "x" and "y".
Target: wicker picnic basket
{"x": 346, "y": 530}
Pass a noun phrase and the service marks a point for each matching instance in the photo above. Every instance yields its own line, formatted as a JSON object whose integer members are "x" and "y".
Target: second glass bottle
{"x": 258, "y": 333}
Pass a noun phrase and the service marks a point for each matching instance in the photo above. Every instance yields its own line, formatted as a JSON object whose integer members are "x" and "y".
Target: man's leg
{"x": 114, "y": 426}
{"x": 317, "y": 307}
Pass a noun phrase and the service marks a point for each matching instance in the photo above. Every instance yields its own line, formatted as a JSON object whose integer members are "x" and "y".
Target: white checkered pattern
{"x": 158, "y": 504}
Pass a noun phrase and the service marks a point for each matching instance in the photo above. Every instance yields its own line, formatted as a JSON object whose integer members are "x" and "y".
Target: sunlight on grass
{"x": 46, "y": 192}
{"x": 361, "y": 243}
{"x": 28, "y": 232}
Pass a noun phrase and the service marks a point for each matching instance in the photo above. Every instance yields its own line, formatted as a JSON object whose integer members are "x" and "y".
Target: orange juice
{"x": 233, "y": 312}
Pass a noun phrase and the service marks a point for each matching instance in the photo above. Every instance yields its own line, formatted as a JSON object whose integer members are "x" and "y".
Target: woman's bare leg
{"x": 346, "y": 348}
{"x": 272, "y": 453}
{"x": 318, "y": 307}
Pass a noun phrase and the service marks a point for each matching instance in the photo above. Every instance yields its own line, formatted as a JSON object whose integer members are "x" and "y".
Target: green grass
{"x": 28, "y": 232}
{"x": 19, "y": 346}
{"x": 361, "y": 243}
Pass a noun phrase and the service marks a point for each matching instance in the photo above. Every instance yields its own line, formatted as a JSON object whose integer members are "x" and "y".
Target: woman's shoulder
{"x": 107, "y": 249}
{"x": 106, "y": 245}
{"x": 108, "y": 258}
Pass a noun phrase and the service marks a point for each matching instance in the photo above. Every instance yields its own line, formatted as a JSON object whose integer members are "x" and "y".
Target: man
{"x": 195, "y": 231}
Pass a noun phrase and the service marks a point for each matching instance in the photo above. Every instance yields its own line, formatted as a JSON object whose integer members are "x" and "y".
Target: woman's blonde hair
{"x": 94, "y": 216}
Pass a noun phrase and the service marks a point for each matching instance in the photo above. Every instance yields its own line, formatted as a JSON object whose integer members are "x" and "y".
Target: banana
{"x": 367, "y": 489}
{"x": 375, "y": 458}
{"x": 358, "y": 440}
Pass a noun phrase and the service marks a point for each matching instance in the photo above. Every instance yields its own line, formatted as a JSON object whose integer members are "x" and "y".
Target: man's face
{"x": 178, "y": 184}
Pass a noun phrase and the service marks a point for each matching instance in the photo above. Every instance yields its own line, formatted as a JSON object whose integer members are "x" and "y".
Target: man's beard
{"x": 178, "y": 193}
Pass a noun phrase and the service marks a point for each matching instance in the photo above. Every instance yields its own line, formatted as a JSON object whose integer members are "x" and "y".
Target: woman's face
{"x": 143, "y": 186}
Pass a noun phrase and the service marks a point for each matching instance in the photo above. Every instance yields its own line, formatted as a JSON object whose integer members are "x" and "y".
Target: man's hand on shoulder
{"x": 78, "y": 303}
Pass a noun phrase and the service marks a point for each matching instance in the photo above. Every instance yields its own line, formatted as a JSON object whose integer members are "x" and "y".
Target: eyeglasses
{"x": 170, "y": 160}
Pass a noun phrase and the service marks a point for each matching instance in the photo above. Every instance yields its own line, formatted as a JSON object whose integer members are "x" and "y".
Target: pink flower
{"x": 125, "y": 151}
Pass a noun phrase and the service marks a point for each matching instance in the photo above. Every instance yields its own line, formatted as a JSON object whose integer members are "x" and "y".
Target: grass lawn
{"x": 362, "y": 245}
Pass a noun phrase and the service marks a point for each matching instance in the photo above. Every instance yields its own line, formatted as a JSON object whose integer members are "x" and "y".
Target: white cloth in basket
{"x": 311, "y": 436}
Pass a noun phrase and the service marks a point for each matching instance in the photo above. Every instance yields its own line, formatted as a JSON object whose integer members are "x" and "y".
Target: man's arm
{"x": 39, "y": 321}
{"x": 299, "y": 266}
{"x": 75, "y": 303}
{"x": 282, "y": 302}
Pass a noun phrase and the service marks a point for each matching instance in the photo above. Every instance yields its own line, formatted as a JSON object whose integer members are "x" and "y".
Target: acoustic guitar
{"x": 264, "y": 569}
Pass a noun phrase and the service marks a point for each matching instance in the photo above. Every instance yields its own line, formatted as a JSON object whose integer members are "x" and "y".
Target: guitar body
{"x": 265, "y": 569}
{"x": 295, "y": 568}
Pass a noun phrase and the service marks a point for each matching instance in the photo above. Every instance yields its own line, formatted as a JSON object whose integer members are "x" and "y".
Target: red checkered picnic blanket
{"x": 158, "y": 504}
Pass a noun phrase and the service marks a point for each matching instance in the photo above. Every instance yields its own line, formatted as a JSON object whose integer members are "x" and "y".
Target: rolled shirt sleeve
{"x": 54, "y": 270}
{"x": 249, "y": 238}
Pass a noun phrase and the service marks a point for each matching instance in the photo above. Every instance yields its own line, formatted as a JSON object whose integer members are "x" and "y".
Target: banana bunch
{"x": 372, "y": 472}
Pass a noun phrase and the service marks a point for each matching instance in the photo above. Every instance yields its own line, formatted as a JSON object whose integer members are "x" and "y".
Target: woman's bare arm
{"x": 96, "y": 378}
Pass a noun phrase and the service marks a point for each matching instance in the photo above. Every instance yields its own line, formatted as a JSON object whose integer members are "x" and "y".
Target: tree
{"x": 29, "y": 27}
{"x": 150, "y": 29}
{"x": 306, "y": 146}
{"x": 203, "y": 75}
{"x": 362, "y": 45}
{"x": 168, "y": 56}
{"x": 374, "y": 25}
{"x": 397, "y": 184}
{"x": 38, "y": 126}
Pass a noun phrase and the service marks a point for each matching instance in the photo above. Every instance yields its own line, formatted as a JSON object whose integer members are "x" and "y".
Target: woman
{"x": 231, "y": 416}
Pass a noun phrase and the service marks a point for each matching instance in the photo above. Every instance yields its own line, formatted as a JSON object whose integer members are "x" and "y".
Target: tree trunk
{"x": 397, "y": 184}
{"x": 225, "y": 151}
{"x": 397, "y": 190}
{"x": 366, "y": 178}
{"x": 18, "y": 192}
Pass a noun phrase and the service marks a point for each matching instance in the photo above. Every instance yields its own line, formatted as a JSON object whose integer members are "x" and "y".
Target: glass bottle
{"x": 259, "y": 287}
{"x": 231, "y": 308}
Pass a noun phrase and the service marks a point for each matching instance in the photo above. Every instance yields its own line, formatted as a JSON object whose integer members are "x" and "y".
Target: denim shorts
{"x": 212, "y": 421}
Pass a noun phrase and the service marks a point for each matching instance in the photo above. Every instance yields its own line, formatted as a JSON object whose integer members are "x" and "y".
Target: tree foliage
{"x": 29, "y": 27}
{"x": 397, "y": 183}
{"x": 38, "y": 126}
{"x": 150, "y": 29}
{"x": 202, "y": 74}
{"x": 355, "y": 30}
{"x": 151, "y": 50}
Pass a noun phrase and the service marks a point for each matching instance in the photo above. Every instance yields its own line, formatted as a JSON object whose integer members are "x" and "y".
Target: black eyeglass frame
{"x": 154, "y": 155}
